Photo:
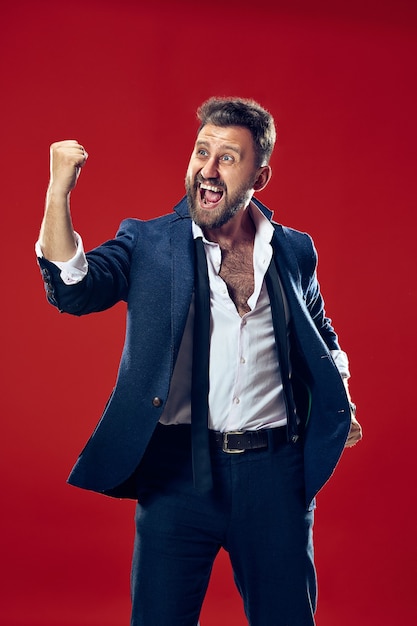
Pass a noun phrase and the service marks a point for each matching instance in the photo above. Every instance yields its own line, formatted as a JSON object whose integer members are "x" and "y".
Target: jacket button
{"x": 157, "y": 402}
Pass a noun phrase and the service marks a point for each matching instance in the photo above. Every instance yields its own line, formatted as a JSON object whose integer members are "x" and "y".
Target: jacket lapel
{"x": 182, "y": 277}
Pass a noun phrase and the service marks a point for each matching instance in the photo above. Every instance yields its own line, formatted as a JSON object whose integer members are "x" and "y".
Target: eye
{"x": 227, "y": 158}
{"x": 202, "y": 152}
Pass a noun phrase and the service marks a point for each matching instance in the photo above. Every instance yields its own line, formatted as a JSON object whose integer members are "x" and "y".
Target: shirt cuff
{"x": 341, "y": 361}
{"x": 73, "y": 270}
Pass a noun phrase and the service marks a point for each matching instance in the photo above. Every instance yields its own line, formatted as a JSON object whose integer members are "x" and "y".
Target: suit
{"x": 150, "y": 265}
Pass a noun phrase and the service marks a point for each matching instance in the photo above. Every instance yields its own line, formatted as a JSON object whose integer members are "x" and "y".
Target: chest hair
{"x": 237, "y": 272}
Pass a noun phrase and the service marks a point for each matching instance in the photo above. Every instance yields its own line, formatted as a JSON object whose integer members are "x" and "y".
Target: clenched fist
{"x": 67, "y": 159}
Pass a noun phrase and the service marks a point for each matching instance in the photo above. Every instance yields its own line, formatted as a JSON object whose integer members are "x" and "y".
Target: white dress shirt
{"x": 245, "y": 391}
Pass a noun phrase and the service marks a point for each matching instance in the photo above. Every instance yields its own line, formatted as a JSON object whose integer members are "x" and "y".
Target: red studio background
{"x": 125, "y": 78}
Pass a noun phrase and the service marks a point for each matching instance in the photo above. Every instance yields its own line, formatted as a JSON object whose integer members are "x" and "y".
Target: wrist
{"x": 57, "y": 192}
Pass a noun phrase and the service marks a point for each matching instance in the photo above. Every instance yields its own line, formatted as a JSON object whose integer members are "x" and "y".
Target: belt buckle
{"x": 225, "y": 443}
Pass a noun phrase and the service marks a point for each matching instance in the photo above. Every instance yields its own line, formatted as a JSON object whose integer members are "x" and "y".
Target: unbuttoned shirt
{"x": 245, "y": 386}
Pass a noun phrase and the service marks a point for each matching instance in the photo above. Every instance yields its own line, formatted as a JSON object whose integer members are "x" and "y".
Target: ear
{"x": 263, "y": 178}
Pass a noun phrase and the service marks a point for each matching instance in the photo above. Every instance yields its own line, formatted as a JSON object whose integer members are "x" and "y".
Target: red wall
{"x": 125, "y": 78}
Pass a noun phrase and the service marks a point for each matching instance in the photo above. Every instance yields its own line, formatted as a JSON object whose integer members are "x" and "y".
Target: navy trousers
{"x": 256, "y": 512}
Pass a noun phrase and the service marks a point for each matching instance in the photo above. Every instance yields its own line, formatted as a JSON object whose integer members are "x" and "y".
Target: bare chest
{"x": 237, "y": 272}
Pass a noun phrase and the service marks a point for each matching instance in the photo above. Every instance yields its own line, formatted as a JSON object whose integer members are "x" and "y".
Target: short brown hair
{"x": 246, "y": 113}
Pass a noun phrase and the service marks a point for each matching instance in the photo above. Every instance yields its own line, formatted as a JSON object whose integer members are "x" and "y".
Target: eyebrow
{"x": 224, "y": 146}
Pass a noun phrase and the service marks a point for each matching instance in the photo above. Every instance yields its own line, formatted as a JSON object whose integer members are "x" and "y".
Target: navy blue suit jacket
{"x": 150, "y": 265}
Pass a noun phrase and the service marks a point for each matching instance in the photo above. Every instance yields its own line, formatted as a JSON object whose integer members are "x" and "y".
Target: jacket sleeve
{"x": 107, "y": 279}
{"x": 312, "y": 294}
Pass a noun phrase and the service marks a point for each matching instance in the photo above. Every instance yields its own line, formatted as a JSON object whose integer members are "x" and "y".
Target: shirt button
{"x": 157, "y": 402}
{"x": 236, "y": 400}
{"x": 242, "y": 359}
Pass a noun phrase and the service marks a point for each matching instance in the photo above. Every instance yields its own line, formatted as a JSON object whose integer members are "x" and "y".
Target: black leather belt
{"x": 238, "y": 441}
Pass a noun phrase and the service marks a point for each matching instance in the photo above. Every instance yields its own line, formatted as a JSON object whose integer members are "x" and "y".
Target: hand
{"x": 355, "y": 432}
{"x": 67, "y": 159}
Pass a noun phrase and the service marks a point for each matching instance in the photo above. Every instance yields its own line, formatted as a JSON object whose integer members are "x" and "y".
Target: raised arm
{"x": 57, "y": 238}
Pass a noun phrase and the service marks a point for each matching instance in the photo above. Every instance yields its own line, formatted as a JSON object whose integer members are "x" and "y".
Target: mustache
{"x": 215, "y": 182}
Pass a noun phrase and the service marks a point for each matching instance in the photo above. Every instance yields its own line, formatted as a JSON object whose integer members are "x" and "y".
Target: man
{"x": 231, "y": 408}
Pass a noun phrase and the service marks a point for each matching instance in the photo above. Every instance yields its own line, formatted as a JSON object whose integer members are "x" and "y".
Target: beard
{"x": 228, "y": 207}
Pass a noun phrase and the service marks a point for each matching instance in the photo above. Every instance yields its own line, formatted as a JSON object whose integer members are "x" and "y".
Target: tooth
{"x": 210, "y": 188}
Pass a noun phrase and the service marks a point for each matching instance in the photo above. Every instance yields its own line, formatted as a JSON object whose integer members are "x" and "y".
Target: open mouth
{"x": 210, "y": 195}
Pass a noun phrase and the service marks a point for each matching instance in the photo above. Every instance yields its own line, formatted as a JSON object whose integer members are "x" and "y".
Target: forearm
{"x": 57, "y": 238}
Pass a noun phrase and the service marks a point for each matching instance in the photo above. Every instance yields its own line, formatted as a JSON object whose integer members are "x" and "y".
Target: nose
{"x": 210, "y": 169}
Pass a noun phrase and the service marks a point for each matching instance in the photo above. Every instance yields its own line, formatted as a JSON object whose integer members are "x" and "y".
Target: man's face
{"x": 221, "y": 174}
